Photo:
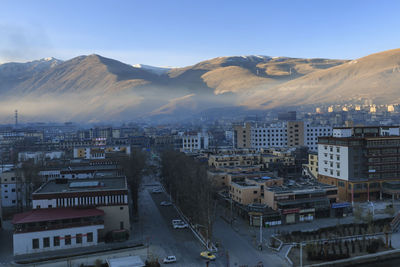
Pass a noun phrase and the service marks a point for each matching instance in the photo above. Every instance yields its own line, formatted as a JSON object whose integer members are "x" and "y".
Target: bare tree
{"x": 187, "y": 181}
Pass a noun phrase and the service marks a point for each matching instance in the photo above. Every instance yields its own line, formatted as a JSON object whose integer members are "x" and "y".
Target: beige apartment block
{"x": 295, "y": 133}
{"x": 244, "y": 193}
{"x": 242, "y": 136}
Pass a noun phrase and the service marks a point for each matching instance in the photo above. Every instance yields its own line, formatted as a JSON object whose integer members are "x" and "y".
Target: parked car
{"x": 169, "y": 259}
{"x": 166, "y": 203}
{"x": 179, "y": 224}
{"x": 208, "y": 255}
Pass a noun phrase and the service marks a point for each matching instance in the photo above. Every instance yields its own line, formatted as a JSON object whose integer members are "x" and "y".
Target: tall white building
{"x": 284, "y": 134}
{"x": 195, "y": 141}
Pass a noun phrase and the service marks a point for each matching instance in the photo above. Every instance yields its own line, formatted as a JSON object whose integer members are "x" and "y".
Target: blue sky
{"x": 180, "y": 33}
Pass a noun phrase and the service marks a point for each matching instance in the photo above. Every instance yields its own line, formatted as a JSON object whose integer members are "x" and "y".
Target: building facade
{"x": 359, "y": 162}
{"x": 107, "y": 194}
{"x": 279, "y": 135}
{"x": 44, "y": 230}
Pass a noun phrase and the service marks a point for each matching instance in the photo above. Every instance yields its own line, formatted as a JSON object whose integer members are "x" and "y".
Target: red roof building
{"x": 53, "y": 214}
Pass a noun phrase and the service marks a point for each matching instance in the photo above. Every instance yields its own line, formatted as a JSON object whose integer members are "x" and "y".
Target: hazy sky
{"x": 179, "y": 33}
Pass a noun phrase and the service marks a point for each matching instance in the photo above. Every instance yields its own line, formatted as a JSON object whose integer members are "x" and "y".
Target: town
{"x": 289, "y": 189}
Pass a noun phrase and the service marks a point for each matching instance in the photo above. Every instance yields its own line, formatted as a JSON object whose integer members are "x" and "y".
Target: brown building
{"x": 295, "y": 133}
{"x": 242, "y": 136}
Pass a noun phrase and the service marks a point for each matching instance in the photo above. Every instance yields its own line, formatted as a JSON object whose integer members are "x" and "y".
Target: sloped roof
{"x": 52, "y": 214}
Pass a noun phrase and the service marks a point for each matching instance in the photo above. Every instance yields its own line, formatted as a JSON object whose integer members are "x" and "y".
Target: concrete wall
{"x": 114, "y": 215}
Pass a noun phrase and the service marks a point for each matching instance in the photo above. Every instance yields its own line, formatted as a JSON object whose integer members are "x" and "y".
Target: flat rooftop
{"x": 244, "y": 184}
{"x": 82, "y": 185}
{"x": 90, "y": 168}
{"x": 303, "y": 187}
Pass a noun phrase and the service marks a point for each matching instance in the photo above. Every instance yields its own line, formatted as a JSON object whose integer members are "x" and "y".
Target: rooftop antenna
{"x": 16, "y": 118}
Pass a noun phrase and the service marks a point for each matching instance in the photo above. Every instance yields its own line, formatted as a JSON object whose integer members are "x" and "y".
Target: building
{"x": 250, "y": 189}
{"x": 299, "y": 202}
{"x": 13, "y": 191}
{"x": 195, "y": 141}
{"x": 224, "y": 160}
{"x": 311, "y": 168}
{"x": 82, "y": 172}
{"x": 361, "y": 162}
{"x": 37, "y": 156}
{"x": 279, "y": 135}
{"x": 99, "y": 152}
{"x": 42, "y": 230}
{"x": 107, "y": 194}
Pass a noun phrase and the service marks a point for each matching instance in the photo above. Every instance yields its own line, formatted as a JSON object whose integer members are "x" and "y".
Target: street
{"x": 156, "y": 229}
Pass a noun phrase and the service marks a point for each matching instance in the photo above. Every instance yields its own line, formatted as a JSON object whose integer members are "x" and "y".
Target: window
{"x": 35, "y": 243}
{"x": 121, "y": 208}
{"x": 89, "y": 237}
{"x": 46, "y": 242}
{"x": 56, "y": 241}
{"x": 121, "y": 225}
{"x": 67, "y": 240}
{"x": 79, "y": 238}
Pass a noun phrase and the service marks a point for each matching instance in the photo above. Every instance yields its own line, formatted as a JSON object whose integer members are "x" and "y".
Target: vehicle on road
{"x": 157, "y": 190}
{"x": 179, "y": 224}
{"x": 165, "y": 203}
{"x": 169, "y": 259}
{"x": 208, "y": 255}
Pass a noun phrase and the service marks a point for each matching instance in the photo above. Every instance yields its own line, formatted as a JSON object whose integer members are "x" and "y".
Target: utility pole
{"x": 301, "y": 254}
{"x": 261, "y": 222}
{"x": 231, "y": 211}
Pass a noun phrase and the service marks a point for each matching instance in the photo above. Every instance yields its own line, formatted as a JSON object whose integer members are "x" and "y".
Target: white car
{"x": 179, "y": 224}
{"x": 165, "y": 203}
{"x": 169, "y": 259}
{"x": 157, "y": 190}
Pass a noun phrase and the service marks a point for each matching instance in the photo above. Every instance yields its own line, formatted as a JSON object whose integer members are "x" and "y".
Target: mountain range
{"x": 94, "y": 88}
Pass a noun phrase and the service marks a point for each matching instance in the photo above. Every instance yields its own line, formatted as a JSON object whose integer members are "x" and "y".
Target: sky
{"x": 180, "y": 33}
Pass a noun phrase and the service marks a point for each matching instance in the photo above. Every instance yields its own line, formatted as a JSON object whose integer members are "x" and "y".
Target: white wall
{"x": 44, "y": 203}
{"x": 342, "y": 132}
{"x": 324, "y": 161}
{"x": 23, "y": 241}
{"x": 8, "y": 197}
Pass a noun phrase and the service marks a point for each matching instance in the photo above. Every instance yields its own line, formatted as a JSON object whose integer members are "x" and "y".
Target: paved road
{"x": 155, "y": 225}
{"x": 239, "y": 245}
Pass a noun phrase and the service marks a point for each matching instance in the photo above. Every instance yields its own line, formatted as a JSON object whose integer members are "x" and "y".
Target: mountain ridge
{"x": 93, "y": 87}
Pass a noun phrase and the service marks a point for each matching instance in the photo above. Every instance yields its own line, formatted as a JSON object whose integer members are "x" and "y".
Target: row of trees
{"x": 133, "y": 167}
{"x": 187, "y": 182}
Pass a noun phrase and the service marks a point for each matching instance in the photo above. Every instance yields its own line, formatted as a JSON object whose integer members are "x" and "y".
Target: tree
{"x": 132, "y": 166}
{"x": 187, "y": 182}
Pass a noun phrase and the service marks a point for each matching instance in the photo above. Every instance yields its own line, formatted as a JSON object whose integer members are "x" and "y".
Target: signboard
{"x": 288, "y": 211}
{"x": 307, "y": 210}
{"x": 340, "y": 205}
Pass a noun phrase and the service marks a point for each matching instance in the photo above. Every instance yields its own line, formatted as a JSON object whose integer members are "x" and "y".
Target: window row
{"x": 67, "y": 240}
